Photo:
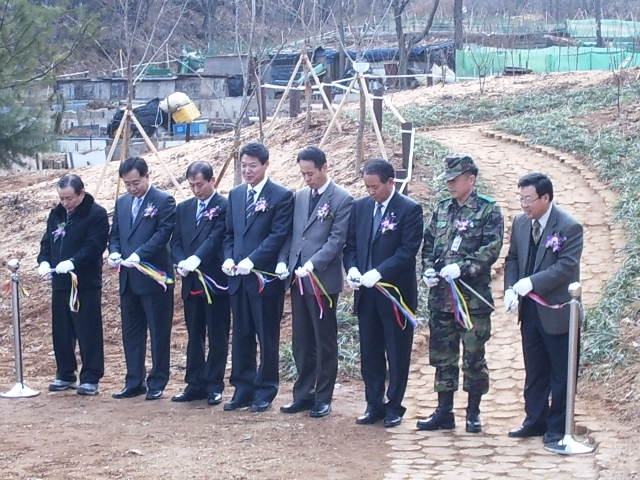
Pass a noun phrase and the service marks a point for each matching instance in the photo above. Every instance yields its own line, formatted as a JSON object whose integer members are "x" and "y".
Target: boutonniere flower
{"x": 151, "y": 211}
{"x": 324, "y": 212}
{"x": 212, "y": 212}
{"x": 555, "y": 242}
{"x": 59, "y": 232}
{"x": 463, "y": 225}
{"x": 388, "y": 223}
{"x": 261, "y": 206}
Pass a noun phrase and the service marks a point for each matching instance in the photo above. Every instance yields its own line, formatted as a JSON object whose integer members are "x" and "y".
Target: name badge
{"x": 456, "y": 243}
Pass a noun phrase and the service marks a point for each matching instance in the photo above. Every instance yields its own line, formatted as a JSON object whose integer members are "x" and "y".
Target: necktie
{"x": 536, "y": 231}
{"x": 135, "y": 208}
{"x": 202, "y": 206}
{"x": 250, "y": 205}
{"x": 377, "y": 216}
{"x": 313, "y": 201}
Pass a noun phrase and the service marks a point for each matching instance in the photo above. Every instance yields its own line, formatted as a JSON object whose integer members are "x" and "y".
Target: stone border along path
{"x": 458, "y": 455}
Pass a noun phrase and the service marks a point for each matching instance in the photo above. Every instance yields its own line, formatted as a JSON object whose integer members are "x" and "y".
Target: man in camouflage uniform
{"x": 462, "y": 240}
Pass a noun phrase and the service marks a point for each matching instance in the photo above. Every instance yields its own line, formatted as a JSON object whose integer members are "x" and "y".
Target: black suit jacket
{"x": 148, "y": 237}
{"x": 203, "y": 241}
{"x": 259, "y": 238}
{"x": 84, "y": 240}
{"x": 393, "y": 252}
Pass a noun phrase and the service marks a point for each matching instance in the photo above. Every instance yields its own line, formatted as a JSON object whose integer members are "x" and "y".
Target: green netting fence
{"x": 492, "y": 61}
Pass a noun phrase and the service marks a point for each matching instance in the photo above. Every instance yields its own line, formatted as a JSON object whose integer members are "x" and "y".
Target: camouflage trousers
{"x": 444, "y": 352}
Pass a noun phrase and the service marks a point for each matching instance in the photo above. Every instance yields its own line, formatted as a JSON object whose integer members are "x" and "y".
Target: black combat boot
{"x": 474, "y": 425}
{"x": 442, "y": 418}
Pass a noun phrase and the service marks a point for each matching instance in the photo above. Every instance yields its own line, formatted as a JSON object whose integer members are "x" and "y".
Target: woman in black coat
{"x": 71, "y": 249}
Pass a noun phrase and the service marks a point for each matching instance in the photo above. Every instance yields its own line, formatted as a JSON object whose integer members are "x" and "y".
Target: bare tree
{"x": 407, "y": 41}
{"x": 458, "y": 31}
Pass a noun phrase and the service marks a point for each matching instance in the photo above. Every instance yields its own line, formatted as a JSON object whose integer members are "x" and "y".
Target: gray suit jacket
{"x": 553, "y": 271}
{"x": 320, "y": 238}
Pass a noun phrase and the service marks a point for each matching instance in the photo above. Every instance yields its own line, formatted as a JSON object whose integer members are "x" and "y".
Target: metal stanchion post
{"x": 19, "y": 390}
{"x": 569, "y": 445}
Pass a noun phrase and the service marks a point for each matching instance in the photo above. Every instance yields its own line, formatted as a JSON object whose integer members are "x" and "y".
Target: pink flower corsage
{"x": 59, "y": 232}
{"x": 261, "y": 206}
{"x": 463, "y": 225}
{"x": 212, "y": 212}
{"x": 324, "y": 212}
{"x": 150, "y": 211}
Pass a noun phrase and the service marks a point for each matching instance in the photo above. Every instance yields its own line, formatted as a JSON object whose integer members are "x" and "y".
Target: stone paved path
{"x": 491, "y": 454}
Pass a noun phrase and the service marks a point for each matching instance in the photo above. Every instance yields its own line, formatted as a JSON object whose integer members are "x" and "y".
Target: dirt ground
{"x": 66, "y": 436}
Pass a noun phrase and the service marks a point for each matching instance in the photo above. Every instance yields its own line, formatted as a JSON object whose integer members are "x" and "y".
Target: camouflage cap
{"x": 457, "y": 164}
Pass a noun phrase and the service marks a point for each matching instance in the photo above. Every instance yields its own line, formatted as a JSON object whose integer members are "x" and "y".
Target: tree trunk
{"x": 598, "y": 11}
{"x": 458, "y": 35}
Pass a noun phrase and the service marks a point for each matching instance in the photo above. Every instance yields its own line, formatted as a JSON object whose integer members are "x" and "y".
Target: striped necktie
{"x": 250, "y": 205}
{"x": 202, "y": 206}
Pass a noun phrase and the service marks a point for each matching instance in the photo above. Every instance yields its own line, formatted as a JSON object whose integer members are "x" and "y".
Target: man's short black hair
{"x": 380, "y": 167}
{"x": 203, "y": 168}
{"x": 313, "y": 154}
{"x": 540, "y": 181}
{"x": 71, "y": 180}
{"x": 133, "y": 163}
{"x": 256, "y": 149}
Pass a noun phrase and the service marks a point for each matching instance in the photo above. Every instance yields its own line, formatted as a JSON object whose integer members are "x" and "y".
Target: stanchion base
{"x": 570, "y": 446}
{"x": 20, "y": 390}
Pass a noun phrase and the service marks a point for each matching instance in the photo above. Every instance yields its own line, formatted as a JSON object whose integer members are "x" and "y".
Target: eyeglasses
{"x": 526, "y": 201}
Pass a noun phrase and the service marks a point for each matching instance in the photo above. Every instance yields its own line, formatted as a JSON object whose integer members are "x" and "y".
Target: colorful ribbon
{"x": 160, "y": 276}
{"x": 74, "y": 301}
{"x": 538, "y": 299}
{"x": 21, "y": 290}
{"x": 399, "y": 304}
{"x": 460, "y": 307}
{"x": 318, "y": 291}
{"x": 208, "y": 284}
{"x": 262, "y": 278}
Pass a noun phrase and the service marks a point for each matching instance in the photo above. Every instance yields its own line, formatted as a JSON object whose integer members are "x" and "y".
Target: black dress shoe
{"x": 369, "y": 417}
{"x": 189, "y": 396}
{"x": 297, "y": 406}
{"x": 235, "y": 404}
{"x": 392, "y": 421}
{"x": 260, "y": 406}
{"x": 154, "y": 395}
{"x": 214, "y": 398}
{"x": 130, "y": 392}
{"x": 552, "y": 437}
{"x": 526, "y": 431}
{"x": 320, "y": 409}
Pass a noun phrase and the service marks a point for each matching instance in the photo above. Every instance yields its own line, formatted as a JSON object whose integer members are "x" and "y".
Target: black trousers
{"x": 315, "y": 347}
{"x": 255, "y": 317}
{"x": 85, "y": 327}
{"x": 384, "y": 346}
{"x": 139, "y": 313}
{"x": 545, "y": 363}
{"x": 208, "y": 342}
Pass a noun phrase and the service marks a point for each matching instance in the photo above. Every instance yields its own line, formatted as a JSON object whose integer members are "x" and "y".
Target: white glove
{"x": 190, "y": 264}
{"x": 353, "y": 278}
{"x": 370, "y": 278}
{"x": 44, "y": 269}
{"x": 282, "y": 271}
{"x": 510, "y": 300}
{"x": 430, "y": 278}
{"x": 452, "y": 271}
{"x": 181, "y": 270}
{"x": 114, "y": 259}
{"x": 523, "y": 286}
{"x": 130, "y": 260}
{"x": 228, "y": 267}
{"x": 244, "y": 266}
{"x": 65, "y": 266}
{"x": 305, "y": 269}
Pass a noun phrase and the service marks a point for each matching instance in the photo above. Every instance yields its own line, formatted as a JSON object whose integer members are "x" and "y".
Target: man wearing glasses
{"x": 543, "y": 259}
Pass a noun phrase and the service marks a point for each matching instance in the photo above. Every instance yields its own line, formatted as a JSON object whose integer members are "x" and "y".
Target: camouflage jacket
{"x": 469, "y": 235}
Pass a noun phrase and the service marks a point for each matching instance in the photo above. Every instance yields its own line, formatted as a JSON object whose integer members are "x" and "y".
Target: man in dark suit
{"x": 259, "y": 216}
{"x": 544, "y": 258}
{"x": 196, "y": 244}
{"x": 142, "y": 224}
{"x": 76, "y": 236}
{"x": 385, "y": 231}
{"x": 320, "y": 223}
